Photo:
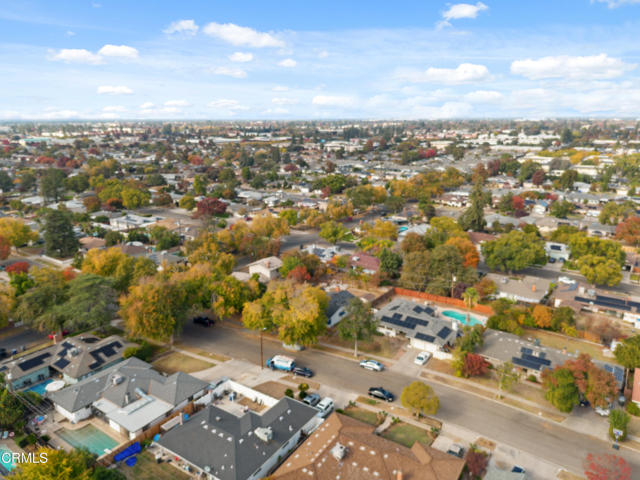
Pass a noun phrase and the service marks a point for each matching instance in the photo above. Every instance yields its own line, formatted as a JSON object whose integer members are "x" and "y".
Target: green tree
{"x": 390, "y": 263}
{"x": 6, "y": 183}
{"x": 358, "y": 324}
{"x": 470, "y": 297}
{"x": 561, "y": 208}
{"x": 59, "y": 239}
{"x": 187, "y": 202}
{"x": 113, "y": 238}
{"x": 37, "y": 306}
{"x": 471, "y": 338}
{"x": 420, "y": 398}
{"x": 52, "y": 184}
{"x": 11, "y": 410}
{"x": 473, "y": 217}
{"x": 508, "y": 376}
{"x": 333, "y": 232}
{"x": 60, "y": 465}
{"x": 92, "y": 302}
{"x": 514, "y": 251}
{"x": 561, "y": 389}
{"x": 600, "y": 270}
{"x": 415, "y": 271}
{"x": 567, "y": 179}
{"x": 628, "y": 352}
{"x": 618, "y": 420}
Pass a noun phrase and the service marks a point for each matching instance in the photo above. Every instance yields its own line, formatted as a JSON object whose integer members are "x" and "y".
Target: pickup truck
{"x": 281, "y": 362}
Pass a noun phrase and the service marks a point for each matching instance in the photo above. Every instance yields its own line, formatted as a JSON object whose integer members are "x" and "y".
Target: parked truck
{"x": 281, "y": 362}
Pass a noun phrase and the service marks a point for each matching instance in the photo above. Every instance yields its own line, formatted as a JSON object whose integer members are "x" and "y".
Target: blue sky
{"x": 318, "y": 60}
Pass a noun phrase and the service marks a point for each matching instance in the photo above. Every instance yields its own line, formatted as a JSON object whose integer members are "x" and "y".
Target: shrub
{"x": 618, "y": 419}
{"x": 633, "y": 409}
{"x": 303, "y": 387}
{"x": 302, "y": 394}
{"x": 31, "y": 439}
{"x": 45, "y": 438}
{"x": 289, "y": 393}
{"x": 143, "y": 352}
{"x": 532, "y": 378}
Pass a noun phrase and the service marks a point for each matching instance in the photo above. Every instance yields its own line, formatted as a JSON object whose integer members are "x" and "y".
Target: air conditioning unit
{"x": 117, "y": 379}
{"x": 264, "y": 434}
{"x": 74, "y": 352}
{"x": 339, "y": 451}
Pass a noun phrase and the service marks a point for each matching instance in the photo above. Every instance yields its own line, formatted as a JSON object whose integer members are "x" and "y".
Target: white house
{"x": 266, "y": 268}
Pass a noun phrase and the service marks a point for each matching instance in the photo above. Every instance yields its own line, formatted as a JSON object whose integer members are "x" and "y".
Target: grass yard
{"x": 177, "y": 362}
{"x": 380, "y": 345}
{"x": 407, "y": 434}
{"x": 274, "y": 389}
{"x": 366, "y": 416}
{"x": 205, "y": 353}
{"x": 572, "y": 345}
{"x": 148, "y": 469}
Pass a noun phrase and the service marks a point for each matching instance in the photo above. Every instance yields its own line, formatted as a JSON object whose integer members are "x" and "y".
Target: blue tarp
{"x": 127, "y": 452}
{"x": 131, "y": 461}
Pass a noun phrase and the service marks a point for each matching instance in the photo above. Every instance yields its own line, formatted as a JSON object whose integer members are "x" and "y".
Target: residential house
{"x": 420, "y": 324}
{"x": 266, "y": 268}
{"x": 130, "y": 396}
{"x": 220, "y": 444}
{"x": 557, "y": 251}
{"x": 635, "y": 396}
{"x": 346, "y": 448}
{"x": 365, "y": 262}
{"x": 526, "y": 289}
{"x": 337, "y": 309}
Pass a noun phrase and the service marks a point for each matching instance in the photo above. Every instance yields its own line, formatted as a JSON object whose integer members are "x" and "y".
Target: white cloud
{"x": 70, "y": 33}
{"x": 237, "y": 35}
{"x": 114, "y": 90}
{"x": 333, "y": 100}
{"x": 276, "y": 111}
{"x": 463, "y": 73}
{"x": 483, "y": 96}
{"x": 447, "y": 110}
{"x": 176, "y": 103}
{"x": 323, "y": 54}
{"x": 147, "y": 105}
{"x": 288, "y": 62}
{"x": 229, "y": 72}
{"x": 76, "y": 55}
{"x": 58, "y": 114}
{"x": 241, "y": 57}
{"x": 114, "y": 108}
{"x": 188, "y": 27}
{"x": 284, "y": 101}
{"x": 564, "y": 66}
{"x": 280, "y": 88}
{"x": 227, "y": 105}
{"x": 617, "y": 3}
{"x": 120, "y": 51}
{"x": 461, "y": 10}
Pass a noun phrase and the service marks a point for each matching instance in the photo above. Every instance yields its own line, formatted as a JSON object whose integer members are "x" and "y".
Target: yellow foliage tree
{"x": 542, "y": 316}
{"x": 16, "y": 231}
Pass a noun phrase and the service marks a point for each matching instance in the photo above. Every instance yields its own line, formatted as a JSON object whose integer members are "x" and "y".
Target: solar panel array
{"x": 33, "y": 362}
{"x": 63, "y": 362}
{"x": 528, "y": 360}
{"x": 425, "y": 337}
{"x": 444, "y": 332}
{"x": 611, "y": 302}
{"x": 107, "y": 351}
{"x": 410, "y": 323}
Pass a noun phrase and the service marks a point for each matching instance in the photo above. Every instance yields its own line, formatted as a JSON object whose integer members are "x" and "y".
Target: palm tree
{"x": 470, "y": 297}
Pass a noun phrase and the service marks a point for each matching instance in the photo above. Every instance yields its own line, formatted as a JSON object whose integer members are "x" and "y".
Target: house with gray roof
{"x": 220, "y": 445}
{"x": 130, "y": 396}
{"x": 420, "y": 323}
{"x": 337, "y": 309}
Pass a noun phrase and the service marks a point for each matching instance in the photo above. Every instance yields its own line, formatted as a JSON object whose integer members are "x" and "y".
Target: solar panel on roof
{"x": 417, "y": 309}
{"x": 397, "y": 316}
{"x": 425, "y": 337}
{"x": 444, "y": 332}
{"x": 63, "y": 362}
{"x": 525, "y": 363}
{"x": 526, "y": 350}
{"x": 33, "y": 362}
{"x": 542, "y": 354}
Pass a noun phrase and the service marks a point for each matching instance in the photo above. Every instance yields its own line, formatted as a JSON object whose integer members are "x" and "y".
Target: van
{"x": 325, "y": 407}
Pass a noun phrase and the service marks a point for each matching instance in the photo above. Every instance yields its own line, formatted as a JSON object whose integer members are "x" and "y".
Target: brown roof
{"x": 368, "y": 456}
{"x": 480, "y": 237}
{"x": 92, "y": 242}
{"x": 366, "y": 261}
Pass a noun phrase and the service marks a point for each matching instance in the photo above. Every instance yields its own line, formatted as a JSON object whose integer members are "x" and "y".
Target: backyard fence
{"x": 454, "y": 302}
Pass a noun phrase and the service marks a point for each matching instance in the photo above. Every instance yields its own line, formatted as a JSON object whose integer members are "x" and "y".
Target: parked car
{"x": 517, "y": 469}
{"x": 381, "y": 393}
{"x": 204, "y": 321}
{"x": 552, "y": 260}
{"x": 372, "y": 365}
{"x": 281, "y": 362}
{"x": 456, "y": 450}
{"x": 422, "y": 358}
{"x": 325, "y": 406}
{"x": 302, "y": 371}
{"x": 584, "y": 403}
{"x": 3, "y": 353}
{"x": 603, "y": 412}
{"x": 312, "y": 399}
{"x": 567, "y": 280}
{"x": 53, "y": 334}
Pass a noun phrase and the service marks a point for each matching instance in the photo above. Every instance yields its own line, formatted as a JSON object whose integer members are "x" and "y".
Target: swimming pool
{"x": 40, "y": 388}
{"x": 89, "y": 437}
{"x": 462, "y": 318}
{"x": 7, "y": 465}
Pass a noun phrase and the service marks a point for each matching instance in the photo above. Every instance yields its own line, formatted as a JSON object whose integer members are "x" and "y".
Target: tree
{"x": 6, "y": 183}
{"x": 358, "y": 324}
{"x": 567, "y": 136}
{"x": 154, "y": 308}
{"x": 514, "y": 251}
{"x": 477, "y": 462}
{"x": 613, "y": 213}
{"x": 538, "y": 177}
{"x": 11, "y": 410}
{"x": 474, "y": 365}
{"x": 628, "y": 352}
{"x": 120, "y": 267}
{"x": 16, "y": 231}
{"x": 419, "y": 397}
{"x": 470, "y": 297}
{"x": 606, "y": 467}
{"x": 467, "y": 250}
{"x": 542, "y": 316}
{"x": 561, "y": 389}
{"x": 473, "y": 217}
{"x": 618, "y": 420}
{"x": 600, "y": 270}
{"x": 52, "y": 184}
{"x": 59, "y": 465}
{"x": 629, "y": 231}
{"x": 415, "y": 270}
{"x": 92, "y": 302}
{"x": 37, "y": 306}
{"x": 164, "y": 238}
{"x": 567, "y": 179}
{"x": 91, "y": 204}
{"x": 113, "y": 238}
{"x": 333, "y": 232}
{"x": 561, "y": 208}
{"x": 598, "y": 386}
{"x": 208, "y": 207}
{"x": 507, "y": 376}
{"x": 5, "y": 248}
{"x": 59, "y": 239}
{"x": 471, "y": 338}
{"x": 187, "y": 202}
{"x": 390, "y": 263}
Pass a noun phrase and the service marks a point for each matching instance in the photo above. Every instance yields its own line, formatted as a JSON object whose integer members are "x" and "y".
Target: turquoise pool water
{"x": 462, "y": 318}
{"x": 8, "y": 465}
{"x": 90, "y": 437}
{"x": 40, "y": 388}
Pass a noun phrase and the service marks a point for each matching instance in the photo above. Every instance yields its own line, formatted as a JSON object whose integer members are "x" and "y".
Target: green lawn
{"x": 177, "y": 362}
{"x": 363, "y": 415}
{"x": 148, "y": 469}
{"x": 406, "y": 434}
{"x": 572, "y": 345}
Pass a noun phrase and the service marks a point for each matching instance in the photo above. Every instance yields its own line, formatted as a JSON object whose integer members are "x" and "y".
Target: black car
{"x": 204, "y": 321}
{"x": 302, "y": 371}
{"x": 3, "y": 353}
{"x": 381, "y": 393}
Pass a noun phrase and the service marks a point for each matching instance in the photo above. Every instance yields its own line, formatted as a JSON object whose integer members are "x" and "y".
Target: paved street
{"x": 510, "y": 426}
{"x": 24, "y": 338}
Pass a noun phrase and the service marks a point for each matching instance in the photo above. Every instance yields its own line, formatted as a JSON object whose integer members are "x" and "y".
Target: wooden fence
{"x": 454, "y": 302}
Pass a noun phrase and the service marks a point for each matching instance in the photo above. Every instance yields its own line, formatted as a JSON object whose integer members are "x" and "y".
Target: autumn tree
{"x": 467, "y": 250}
{"x": 358, "y": 324}
{"x": 123, "y": 269}
{"x": 629, "y": 231}
{"x": 596, "y": 384}
{"x": 628, "y": 352}
{"x": 16, "y": 231}
{"x": 208, "y": 207}
{"x": 514, "y": 251}
{"x": 542, "y": 316}
{"x": 477, "y": 462}
{"x": 333, "y": 232}
{"x": 59, "y": 465}
{"x": 561, "y": 389}
{"x": 606, "y": 467}
{"x": 600, "y": 270}
{"x": 420, "y": 399}
{"x": 5, "y": 248}
{"x": 474, "y": 365}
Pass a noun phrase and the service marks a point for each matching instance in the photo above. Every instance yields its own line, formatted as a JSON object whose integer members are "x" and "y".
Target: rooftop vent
{"x": 117, "y": 379}
{"x": 74, "y": 352}
{"x": 264, "y": 434}
{"x": 339, "y": 451}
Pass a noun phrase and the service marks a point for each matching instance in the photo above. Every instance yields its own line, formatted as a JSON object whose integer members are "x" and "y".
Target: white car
{"x": 325, "y": 406}
{"x": 372, "y": 365}
{"x": 567, "y": 280}
{"x": 422, "y": 358}
{"x": 603, "y": 412}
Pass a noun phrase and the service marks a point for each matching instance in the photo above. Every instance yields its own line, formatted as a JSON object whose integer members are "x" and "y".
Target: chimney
{"x": 533, "y": 287}
{"x": 399, "y": 475}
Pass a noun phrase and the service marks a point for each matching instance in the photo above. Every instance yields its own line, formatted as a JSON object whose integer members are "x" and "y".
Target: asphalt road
{"x": 23, "y": 338}
{"x": 526, "y": 432}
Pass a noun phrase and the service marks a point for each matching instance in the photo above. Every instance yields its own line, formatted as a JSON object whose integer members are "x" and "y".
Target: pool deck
{"x": 59, "y": 422}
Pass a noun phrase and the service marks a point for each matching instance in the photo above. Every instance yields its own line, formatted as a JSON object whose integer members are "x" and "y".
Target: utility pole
{"x": 261, "y": 350}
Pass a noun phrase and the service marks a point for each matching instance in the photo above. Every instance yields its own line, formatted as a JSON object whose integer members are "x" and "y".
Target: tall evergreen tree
{"x": 473, "y": 217}
{"x": 59, "y": 239}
